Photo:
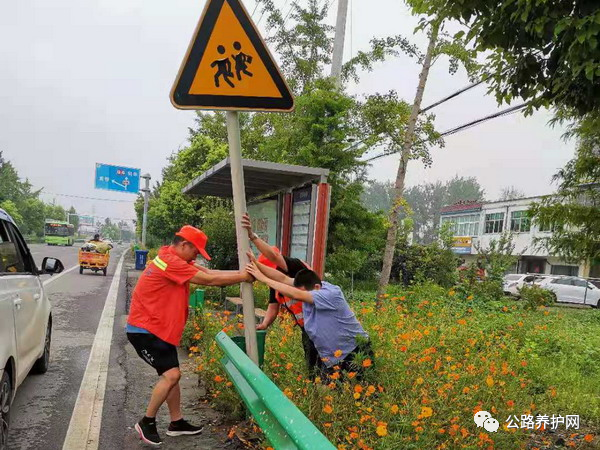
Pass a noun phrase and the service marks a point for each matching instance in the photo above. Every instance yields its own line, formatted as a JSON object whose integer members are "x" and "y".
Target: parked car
{"x": 25, "y": 316}
{"x": 515, "y": 281}
{"x": 572, "y": 290}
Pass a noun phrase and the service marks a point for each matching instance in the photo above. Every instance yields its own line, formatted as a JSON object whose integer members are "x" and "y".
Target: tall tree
{"x": 573, "y": 213}
{"x": 73, "y": 218}
{"x": 426, "y": 201}
{"x": 511, "y": 193}
{"x": 412, "y": 145}
{"x": 545, "y": 52}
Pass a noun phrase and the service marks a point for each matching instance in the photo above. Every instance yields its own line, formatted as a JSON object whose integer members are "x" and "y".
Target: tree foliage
{"x": 545, "y": 52}
{"x": 22, "y": 202}
{"x": 425, "y": 200}
{"x": 511, "y": 193}
{"x": 574, "y": 211}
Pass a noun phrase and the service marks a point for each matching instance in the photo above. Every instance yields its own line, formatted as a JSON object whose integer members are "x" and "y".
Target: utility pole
{"x": 338, "y": 43}
{"x": 146, "y": 192}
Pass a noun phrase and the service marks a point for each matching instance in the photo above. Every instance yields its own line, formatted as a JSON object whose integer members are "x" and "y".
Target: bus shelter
{"x": 288, "y": 204}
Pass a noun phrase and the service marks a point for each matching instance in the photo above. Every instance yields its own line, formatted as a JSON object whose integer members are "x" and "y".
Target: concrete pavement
{"x": 44, "y": 404}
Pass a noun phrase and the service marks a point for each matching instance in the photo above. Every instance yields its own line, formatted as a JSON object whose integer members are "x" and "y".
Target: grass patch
{"x": 438, "y": 360}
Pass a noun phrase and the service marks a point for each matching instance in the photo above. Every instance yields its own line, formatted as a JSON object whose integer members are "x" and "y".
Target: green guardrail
{"x": 282, "y": 422}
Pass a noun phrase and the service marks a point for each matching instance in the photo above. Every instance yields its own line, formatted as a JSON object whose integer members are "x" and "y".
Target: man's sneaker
{"x": 182, "y": 428}
{"x": 148, "y": 433}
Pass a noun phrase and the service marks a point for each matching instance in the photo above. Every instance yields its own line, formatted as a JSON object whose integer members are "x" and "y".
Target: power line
{"x": 505, "y": 112}
{"x": 455, "y": 94}
{"x": 88, "y": 198}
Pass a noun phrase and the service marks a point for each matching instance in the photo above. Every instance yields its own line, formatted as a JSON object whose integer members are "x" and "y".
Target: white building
{"x": 476, "y": 224}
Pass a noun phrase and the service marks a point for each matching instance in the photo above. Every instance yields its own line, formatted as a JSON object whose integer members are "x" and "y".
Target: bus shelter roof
{"x": 260, "y": 179}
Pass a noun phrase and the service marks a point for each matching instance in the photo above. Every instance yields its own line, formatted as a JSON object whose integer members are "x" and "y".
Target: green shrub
{"x": 534, "y": 296}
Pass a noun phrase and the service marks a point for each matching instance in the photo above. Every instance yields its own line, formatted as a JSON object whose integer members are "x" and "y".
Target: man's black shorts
{"x": 159, "y": 354}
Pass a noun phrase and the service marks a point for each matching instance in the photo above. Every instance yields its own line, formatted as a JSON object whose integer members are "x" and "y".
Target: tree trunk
{"x": 390, "y": 244}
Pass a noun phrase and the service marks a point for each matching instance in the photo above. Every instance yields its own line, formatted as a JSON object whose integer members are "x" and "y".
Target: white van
{"x": 25, "y": 317}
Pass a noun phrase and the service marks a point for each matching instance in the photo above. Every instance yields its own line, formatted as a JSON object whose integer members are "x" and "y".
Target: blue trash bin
{"x": 141, "y": 257}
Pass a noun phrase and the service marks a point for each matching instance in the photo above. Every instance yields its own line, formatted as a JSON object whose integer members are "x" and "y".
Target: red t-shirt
{"x": 160, "y": 299}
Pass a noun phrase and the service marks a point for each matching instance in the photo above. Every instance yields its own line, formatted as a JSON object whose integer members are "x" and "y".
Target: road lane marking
{"x": 84, "y": 427}
{"x": 56, "y": 277}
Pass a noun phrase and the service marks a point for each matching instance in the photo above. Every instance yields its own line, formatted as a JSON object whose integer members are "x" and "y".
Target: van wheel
{"x": 42, "y": 364}
{"x": 104, "y": 271}
{"x": 5, "y": 400}
{"x": 80, "y": 270}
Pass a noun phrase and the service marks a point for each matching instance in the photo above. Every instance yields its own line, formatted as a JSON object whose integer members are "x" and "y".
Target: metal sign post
{"x": 146, "y": 192}
{"x": 228, "y": 66}
{"x": 243, "y": 244}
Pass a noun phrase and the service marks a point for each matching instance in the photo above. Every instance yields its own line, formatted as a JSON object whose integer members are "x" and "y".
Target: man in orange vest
{"x": 272, "y": 257}
{"x": 157, "y": 317}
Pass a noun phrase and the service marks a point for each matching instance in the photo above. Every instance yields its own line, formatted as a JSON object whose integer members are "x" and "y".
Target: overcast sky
{"x": 88, "y": 81}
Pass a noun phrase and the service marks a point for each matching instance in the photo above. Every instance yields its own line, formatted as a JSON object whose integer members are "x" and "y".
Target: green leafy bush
{"x": 534, "y": 297}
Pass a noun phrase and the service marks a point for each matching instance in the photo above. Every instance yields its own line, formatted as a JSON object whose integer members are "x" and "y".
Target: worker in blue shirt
{"x": 328, "y": 319}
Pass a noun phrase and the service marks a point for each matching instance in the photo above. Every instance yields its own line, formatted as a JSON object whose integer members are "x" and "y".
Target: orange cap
{"x": 196, "y": 237}
{"x": 266, "y": 261}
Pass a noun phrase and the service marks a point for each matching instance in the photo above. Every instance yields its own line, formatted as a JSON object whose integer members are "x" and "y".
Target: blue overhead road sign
{"x": 117, "y": 178}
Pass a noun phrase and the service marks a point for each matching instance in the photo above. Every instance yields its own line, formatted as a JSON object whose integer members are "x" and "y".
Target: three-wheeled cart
{"x": 93, "y": 261}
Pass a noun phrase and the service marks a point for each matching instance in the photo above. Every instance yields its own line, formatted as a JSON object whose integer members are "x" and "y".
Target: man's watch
{"x": 254, "y": 237}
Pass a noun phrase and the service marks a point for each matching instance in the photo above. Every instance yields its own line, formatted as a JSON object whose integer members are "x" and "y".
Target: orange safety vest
{"x": 293, "y": 306}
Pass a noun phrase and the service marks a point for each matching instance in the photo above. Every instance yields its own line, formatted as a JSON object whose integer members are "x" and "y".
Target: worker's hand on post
{"x": 253, "y": 270}
{"x": 251, "y": 256}
{"x": 247, "y": 224}
{"x": 248, "y": 278}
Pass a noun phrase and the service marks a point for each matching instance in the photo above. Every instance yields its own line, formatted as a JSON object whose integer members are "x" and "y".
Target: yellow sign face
{"x": 462, "y": 241}
{"x": 228, "y": 65}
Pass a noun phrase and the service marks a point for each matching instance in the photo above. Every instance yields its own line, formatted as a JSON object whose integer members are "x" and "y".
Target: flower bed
{"x": 438, "y": 360}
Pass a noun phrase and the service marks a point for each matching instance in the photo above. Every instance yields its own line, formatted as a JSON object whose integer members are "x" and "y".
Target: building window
{"x": 547, "y": 227}
{"x": 572, "y": 271}
{"x": 494, "y": 223}
{"x": 520, "y": 222}
{"x": 467, "y": 225}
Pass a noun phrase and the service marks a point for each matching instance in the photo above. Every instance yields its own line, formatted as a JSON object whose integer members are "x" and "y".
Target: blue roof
{"x": 4, "y": 216}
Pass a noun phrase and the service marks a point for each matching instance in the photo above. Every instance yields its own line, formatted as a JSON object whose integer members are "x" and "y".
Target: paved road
{"x": 43, "y": 410}
{"x": 43, "y": 405}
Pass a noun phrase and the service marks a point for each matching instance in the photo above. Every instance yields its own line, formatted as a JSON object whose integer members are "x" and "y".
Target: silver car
{"x": 515, "y": 281}
{"x": 572, "y": 290}
{"x": 25, "y": 318}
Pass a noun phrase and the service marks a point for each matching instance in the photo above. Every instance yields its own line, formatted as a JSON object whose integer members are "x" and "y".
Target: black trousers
{"x": 311, "y": 355}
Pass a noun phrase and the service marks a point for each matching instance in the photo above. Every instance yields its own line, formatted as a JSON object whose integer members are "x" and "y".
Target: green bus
{"x": 59, "y": 232}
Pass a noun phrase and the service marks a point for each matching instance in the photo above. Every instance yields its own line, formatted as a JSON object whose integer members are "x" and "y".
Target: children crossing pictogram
{"x": 228, "y": 66}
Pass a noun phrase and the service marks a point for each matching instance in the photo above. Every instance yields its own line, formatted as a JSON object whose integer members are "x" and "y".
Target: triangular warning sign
{"x": 228, "y": 65}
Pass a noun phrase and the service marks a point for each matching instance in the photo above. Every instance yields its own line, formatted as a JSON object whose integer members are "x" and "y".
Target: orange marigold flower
{"x": 588, "y": 438}
{"x": 381, "y": 431}
{"x": 489, "y": 381}
{"x": 218, "y": 378}
{"x": 358, "y": 388}
{"x": 337, "y": 353}
{"x": 327, "y": 424}
{"x": 334, "y": 375}
{"x": 353, "y": 435}
{"x": 351, "y": 374}
{"x": 356, "y": 395}
{"x": 394, "y": 409}
{"x": 510, "y": 403}
{"x": 327, "y": 409}
{"x": 288, "y": 366}
{"x": 462, "y": 322}
{"x": 371, "y": 390}
{"x": 426, "y": 411}
{"x": 523, "y": 363}
{"x": 367, "y": 363}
